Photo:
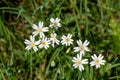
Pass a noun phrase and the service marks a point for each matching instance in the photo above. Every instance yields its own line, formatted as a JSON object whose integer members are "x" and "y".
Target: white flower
{"x": 55, "y": 23}
{"x": 78, "y": 62}
{"x": 54, "y": 39}
{"x": 97, "y": 61}
{"x": 67, "y": 40}
{"x": 44, "y": 43}
{"x": 39, "y": 29}
{"x": 52, "y": 63}
{"x": 31, "y": 43}
{"x": 82, "y": 47}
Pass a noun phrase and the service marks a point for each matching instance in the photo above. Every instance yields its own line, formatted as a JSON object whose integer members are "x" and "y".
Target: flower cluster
{"x": 44, "y": 42}
{"x": 78, "y": 61}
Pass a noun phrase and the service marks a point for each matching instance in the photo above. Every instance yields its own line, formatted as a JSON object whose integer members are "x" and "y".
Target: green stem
{"x": 86, "y": 18}
{"x": 31, "y": 65}
{"x": 80, "y": 8}
{"x": 2, "y": 74}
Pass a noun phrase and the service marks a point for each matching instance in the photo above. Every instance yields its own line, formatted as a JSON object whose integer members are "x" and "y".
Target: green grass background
{"x": 95, "y": 20}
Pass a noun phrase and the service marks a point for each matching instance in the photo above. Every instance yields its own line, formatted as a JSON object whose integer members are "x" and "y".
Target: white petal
{"x": 35, "y": 33}
{"x": 63, "y": 37}
{"x": 86, "y": 49}
{"x": 55, "y": 34}
{"x": 51, "y": 25}
{"x": 71, "y": 40}
{"x": 79, "y": 42}
{"x": 52, "y": 44}
{"x": 42, "y": 35}
{"x": 41, "y": 24}
{"x": 45, "y": 47}
{"x": 35, "y": 48}
{"x": 57, "y": 42}
{"x": 95, "y": 56}
{"x": 86, "y": 43}
{"x": 75, "y": 66}
{"x": 78, "y": 56}
{"x": 37, "y": 42}
{"x": 27, "y": 41}
{"x": 76, "y": 49}
{"x": 80, "y": 68}
{"x": 66, "y": 44}
{"x": 102, "y": 63}
{"x": 92, "y": 63}
{"x": 40, "y": 46}
{"x": 45, "y": 29}
{"x": 69, "y": 35}
{"x": 56, "y": 27}
{"x": 98, "y": 66}
{"x": 32, "y": 38}
{"x": 82, "y": 52}
{"x": 35, "y": 27}
{"x": 74, "y": 59}
{"x": 57, "y": 19}
{"x": 101, "y": 57}
{"x": 63, "y": 42}
{"x": 85, "y": 61}
{"x": 59, "y": 25}
{"x": 52, "y": 20}
{"x": 28, "y": 47}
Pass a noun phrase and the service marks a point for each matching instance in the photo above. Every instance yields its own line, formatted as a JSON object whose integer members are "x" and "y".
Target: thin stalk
{"x": 86, "y": 18}
{"x": 31, "y": 66}
{"x": 81, "y": 8}
{"x": 2, "y": 74}
{"x": 101, "y": 10}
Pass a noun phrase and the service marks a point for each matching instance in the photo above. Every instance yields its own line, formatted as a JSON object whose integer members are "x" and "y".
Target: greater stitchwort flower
{"x": 55, "y": 23}
{"x": 67, "y": 40}
{"x": 78, "y": 62}
{"x": 82, "y": 47}
{"x": 39, "y": 29}
{"x": 54, "y": 39}
{"x": 97, "y": 61}
{"x": 32, "y": 43}
{"x": 44, "y": 43}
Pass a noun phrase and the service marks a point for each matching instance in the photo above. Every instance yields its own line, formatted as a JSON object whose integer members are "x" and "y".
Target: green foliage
{"x": 115, "y": 35}
{"x": 95, "y": 20}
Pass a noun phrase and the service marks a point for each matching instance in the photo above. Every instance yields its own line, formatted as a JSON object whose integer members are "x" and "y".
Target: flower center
{"x": 32, "y": 44}
{"x": 55, "y": 23}
{"x": 39, "y": 30}
{"x": 82, "y": 47}
{"x": 67, "y": 39}
{"x": 54, "y": 38}
{"x": 43, "y": 43}
{"x": 97, "y": 61}
{"x": 78, "y": 62}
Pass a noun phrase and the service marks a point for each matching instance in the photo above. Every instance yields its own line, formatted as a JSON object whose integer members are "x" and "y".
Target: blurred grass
{"x": 95, "y": 20}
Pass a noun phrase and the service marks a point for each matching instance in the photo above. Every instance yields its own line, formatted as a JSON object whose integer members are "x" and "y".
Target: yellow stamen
{"x": 54, "y": 38}
{"x": 78, "y": 62}
{"x": 43, "y": 43}
{"x": 39, "y": 30}
{"x": 97, "y": 61}
{"x": 55, "y": 23}
{"x": 82, "y": 47}
{"x": 32, "y": 44}
{"x": 67, "y": 39}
